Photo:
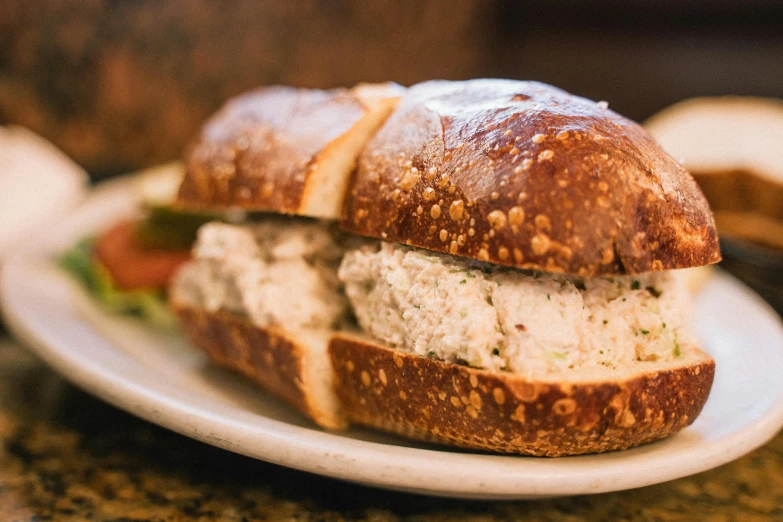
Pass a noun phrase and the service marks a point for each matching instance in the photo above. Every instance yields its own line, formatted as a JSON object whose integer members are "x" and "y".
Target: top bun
{"x": 526, "y": 175}
{"x": 285, "y": 150}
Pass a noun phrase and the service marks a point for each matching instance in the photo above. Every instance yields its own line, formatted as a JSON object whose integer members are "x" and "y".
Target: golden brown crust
{"x": 431, "y": 400}
{"x": 266, "y": 355}
{"x": 526, "y": 175}
{"x": 260, "y": 149}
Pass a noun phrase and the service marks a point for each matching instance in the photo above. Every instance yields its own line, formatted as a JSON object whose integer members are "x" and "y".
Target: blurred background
{"x": 120, "y": 85}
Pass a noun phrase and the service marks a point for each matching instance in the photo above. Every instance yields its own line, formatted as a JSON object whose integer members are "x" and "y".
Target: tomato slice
{"x": 132, "y": 265}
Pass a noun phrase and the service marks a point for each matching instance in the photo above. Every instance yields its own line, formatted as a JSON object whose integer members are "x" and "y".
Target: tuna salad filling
{"x": 281, "y": 271}
{"x": 473, "y": 313}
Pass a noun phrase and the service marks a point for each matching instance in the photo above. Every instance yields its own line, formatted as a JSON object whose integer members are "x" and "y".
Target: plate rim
{"x": 324, "y": 453}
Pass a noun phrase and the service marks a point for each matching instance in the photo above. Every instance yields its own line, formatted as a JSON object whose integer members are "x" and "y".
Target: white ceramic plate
{"x": 159, "y": 378}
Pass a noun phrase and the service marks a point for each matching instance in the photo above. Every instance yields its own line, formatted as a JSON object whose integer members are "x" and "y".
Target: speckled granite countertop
{"x": 68, "y": 456}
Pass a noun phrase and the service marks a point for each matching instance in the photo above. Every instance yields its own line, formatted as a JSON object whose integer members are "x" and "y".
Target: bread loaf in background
{"x": 733, "y": 146}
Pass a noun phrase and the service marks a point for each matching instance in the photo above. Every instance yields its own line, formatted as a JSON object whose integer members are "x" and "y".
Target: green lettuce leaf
{"x": 150, "y": 305}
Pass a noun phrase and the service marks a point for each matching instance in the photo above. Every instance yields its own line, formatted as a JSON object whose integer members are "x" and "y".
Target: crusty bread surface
{"x": 271, "y": 357}
{"x": 457, "y": 405}
{"x": 446, "y": 403}
{"x": 283, "y": 149}
{"x": 526, "y": 175}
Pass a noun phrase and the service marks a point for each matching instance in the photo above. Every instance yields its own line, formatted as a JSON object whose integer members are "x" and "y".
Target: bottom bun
{"x": 291, "y": 367}
{"x": 599, "y": 411}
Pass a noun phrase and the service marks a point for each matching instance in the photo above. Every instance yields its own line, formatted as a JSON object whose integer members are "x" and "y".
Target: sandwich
{"x": 496, "y": 269}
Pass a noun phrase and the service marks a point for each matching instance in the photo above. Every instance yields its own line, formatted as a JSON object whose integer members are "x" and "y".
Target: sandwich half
{"x": 498, "y": 272}
{"x": 261, "y": 295}
{"x": 522, "y": 297}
